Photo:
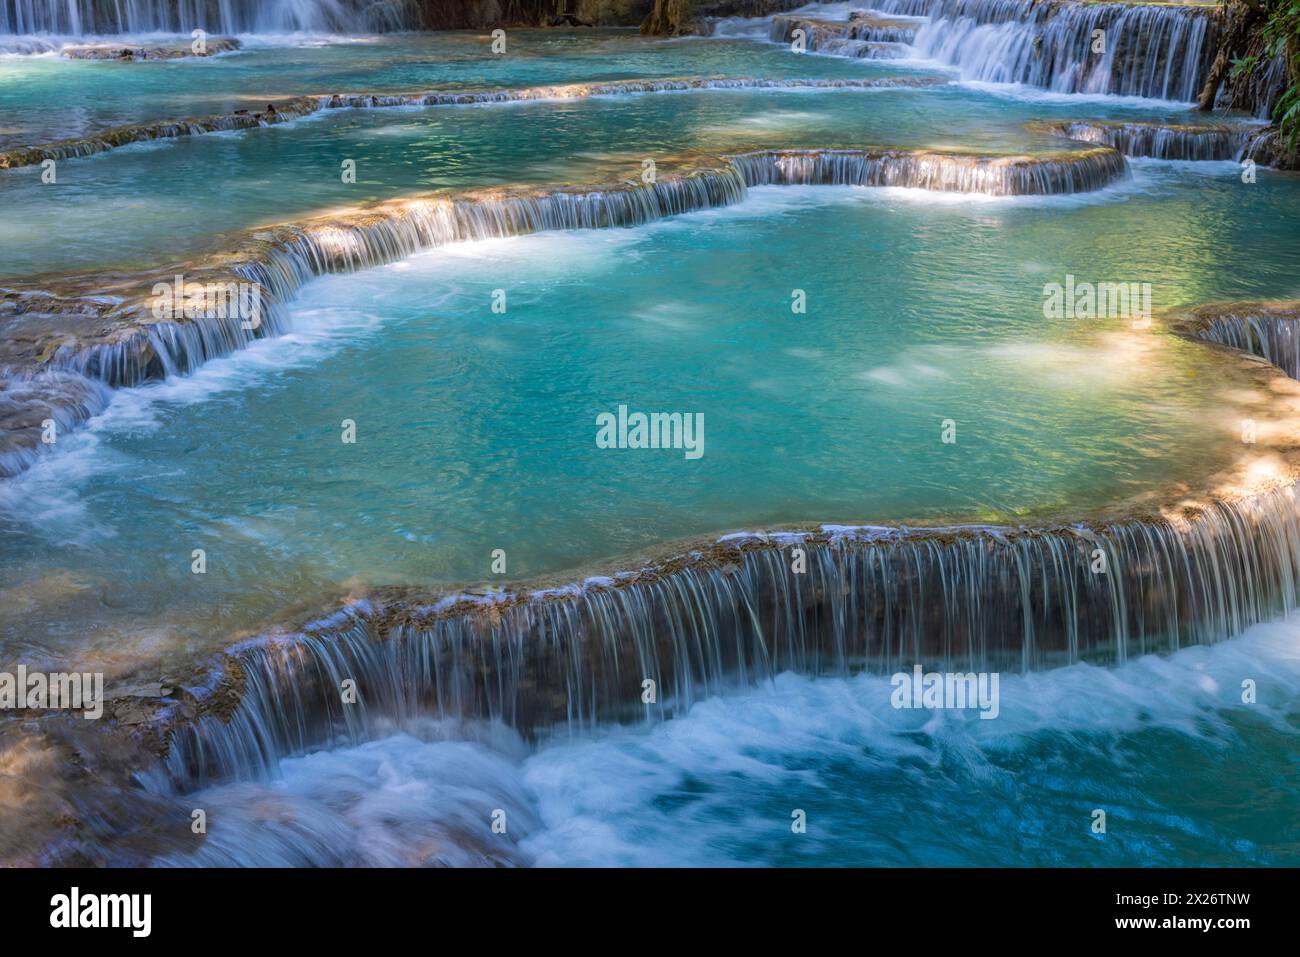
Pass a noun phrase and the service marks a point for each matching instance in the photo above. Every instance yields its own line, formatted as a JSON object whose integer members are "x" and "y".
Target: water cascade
{"x": 1158, "y": 141}
{"x": 1146, "y": 50}
{"x": 1270, "y": 330}
{"x": 102, "y": 327}
{"x": 1050, "y": 174}
{"x": 734, "y": 613}
{"x": 104, "y": 17}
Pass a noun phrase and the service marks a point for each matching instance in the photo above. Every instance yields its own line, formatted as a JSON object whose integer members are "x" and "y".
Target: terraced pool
{"x": 840, "y": 280}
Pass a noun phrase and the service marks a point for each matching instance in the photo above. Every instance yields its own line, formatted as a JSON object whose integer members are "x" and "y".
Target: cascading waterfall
{"x": 1268, "y": 330}
{"x": 304, "y": 253}
{"x": 735, "y": 613}
{"x": 140, "y": 348}
{"x": 1146, "y": 50}
{"x": 106, "y": 17}
{"x": 1075, "y": 172}
{"x": 407, "y": 227}
{"x": 1159, "y": 141}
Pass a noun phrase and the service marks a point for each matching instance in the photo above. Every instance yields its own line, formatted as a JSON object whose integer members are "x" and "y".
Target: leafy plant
{"x": 1282, "y": 36}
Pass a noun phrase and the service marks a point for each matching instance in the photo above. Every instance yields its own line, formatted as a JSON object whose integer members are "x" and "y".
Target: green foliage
{"x": 1282, "y": 35}
{"x": 1244, "y": 66}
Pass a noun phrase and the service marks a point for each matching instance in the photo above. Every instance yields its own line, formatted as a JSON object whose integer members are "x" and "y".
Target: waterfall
{"x": 1268, "y": 147}
{"x": 104, "y": 17}
{"x": 1158, "y": 141}
{"x": 121, "y": 344}
{"x": 713, "y": 616}
{"x": 1146, "y": 50}
{"x": 1052, "y": 174}
{"x": 734, "y": 614}
{"x": 1259, "y": 90}
{"x": 1270, "y": 330}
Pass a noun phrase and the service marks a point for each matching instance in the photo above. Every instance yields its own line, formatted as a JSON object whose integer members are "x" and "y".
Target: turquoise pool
{"x": 433, "y": 423}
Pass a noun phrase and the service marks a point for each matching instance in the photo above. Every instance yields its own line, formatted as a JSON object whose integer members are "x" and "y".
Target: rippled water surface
{"x": 473, "y": 376}
{"x": 476, "y": 429}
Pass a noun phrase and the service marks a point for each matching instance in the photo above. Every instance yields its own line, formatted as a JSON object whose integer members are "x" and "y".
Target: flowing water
{"x": 811, "y": 413}
{"x": 1185, "y": 772}
{"x": 474, "y": 372}
{"x": 228, "y": 181}
{"x": 81, "y": 18}
{"x": 46, "y": 98}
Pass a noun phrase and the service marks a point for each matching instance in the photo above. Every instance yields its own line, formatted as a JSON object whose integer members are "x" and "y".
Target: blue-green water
{"x": 1185, "y": 773}
{"x": 476, "y": 431}
{"x": 168, "y": 198}
{"x": 46, "y": 98}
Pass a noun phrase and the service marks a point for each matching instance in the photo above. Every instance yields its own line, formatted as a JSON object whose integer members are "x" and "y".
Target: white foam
{"x": 48, "y": 495}
{"x": 634, "y": 795}
{"x": 617, "y": 800}
{"x": 1035, "y": 94}
{"x": 414, "y": 799}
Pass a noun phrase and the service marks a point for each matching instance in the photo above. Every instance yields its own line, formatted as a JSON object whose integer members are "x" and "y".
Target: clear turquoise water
{"x": 476, "y": 431}
{"x": 47, "y": 97}
{"x": 1186, "y": 774}
{"x": 175, "y": 197}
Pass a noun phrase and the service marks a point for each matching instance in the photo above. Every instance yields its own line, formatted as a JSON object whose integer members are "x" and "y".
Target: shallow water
{"x": 476, "y": 430}
{"x": 170, "y": 198}
{"x": 45, "y": 98}
{"x": 1186, "y": 773}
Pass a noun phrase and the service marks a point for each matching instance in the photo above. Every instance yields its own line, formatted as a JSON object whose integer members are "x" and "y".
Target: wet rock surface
{"x": 211, "y": 46}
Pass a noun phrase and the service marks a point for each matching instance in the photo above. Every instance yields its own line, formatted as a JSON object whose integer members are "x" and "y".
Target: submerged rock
{"x": 829, "y": 36}
{"x": 111, "y": 139}
{"x": 170, "y": 51}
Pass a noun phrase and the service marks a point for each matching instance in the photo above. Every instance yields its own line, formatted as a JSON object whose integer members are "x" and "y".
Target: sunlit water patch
{"x": 476, "y": 429}
{"x": 45, "y": 98}
{"x": 209, "y": 184}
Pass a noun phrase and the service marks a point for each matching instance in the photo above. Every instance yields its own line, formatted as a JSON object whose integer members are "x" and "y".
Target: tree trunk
{"x": 1242, "y": 18}
{"x": 668, "y": 18}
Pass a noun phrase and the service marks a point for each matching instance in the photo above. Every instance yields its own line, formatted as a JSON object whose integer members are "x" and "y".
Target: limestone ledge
{"x": 212, "y": 46}
{"x": 286, "y": 110}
